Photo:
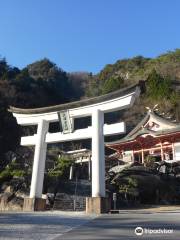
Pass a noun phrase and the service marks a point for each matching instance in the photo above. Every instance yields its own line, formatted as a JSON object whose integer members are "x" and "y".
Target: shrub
{"x": 112, "y": 84}
{"x": 149, "y": 161}
{"x": 129, "y": 187}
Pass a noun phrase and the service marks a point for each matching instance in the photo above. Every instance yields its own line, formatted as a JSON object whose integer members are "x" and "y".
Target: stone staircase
{"x": 73, "y": 196}
{"x": 67, "y": 202}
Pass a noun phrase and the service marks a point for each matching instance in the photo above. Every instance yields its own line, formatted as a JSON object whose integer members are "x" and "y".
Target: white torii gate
{"x": 95, "y": 107}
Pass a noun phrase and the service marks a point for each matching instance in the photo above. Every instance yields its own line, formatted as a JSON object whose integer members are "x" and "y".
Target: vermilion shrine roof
{"x": 152, "y": 130}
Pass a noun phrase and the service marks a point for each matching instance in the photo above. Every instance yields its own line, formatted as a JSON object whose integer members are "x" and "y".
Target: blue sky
{"x": 86, "y": 34}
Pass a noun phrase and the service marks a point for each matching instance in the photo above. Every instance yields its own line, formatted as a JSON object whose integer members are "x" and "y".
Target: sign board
{"x": 114, "y": 196}
{"x": 114, "y": 200}
{"x": 65, "y": 121}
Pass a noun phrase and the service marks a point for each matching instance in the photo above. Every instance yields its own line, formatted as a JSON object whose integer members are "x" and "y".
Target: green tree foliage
{"x": 160, "y": 90}
{"x": 138, "y": 68}
{"x": 4, "y": 68}
{"x": 53, "y": 79}
{"x": 129, "y": 187}
{"x": 55, "y": 175}
{"x": 149, "y": 161}
{"x": 61, "y": 167}
{"x": 11, "y": 170}
{"x": 170, "y": 56}
{"x": 158, "y": 87}
{"x": 175, "y": 99}
{"x": 9, "y": 131}
{"x": 93, "y": 88}
{"x": 112, "y": 84}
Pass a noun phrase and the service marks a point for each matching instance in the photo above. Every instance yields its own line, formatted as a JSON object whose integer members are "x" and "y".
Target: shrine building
{"x": 154, "y": 136}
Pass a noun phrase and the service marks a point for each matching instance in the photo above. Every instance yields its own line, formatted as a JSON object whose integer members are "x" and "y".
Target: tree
{"x": 112, "y": 84}
{"x": 55, "y": 175}
{"x": 9, "y": 134}
{"x": 158, "y": 87}
{"x": 3, "y": 66}
{"x": 149, "y": 161}
{"x": 61, "y": 167}
{"x": 129, "y": 187}
{"x": 53, "y": 79}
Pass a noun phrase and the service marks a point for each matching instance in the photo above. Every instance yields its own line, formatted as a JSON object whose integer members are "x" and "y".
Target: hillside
{"x": 162, "y": 80}
{"x": 130, "y": 71}
{"x": 43, "y": 83}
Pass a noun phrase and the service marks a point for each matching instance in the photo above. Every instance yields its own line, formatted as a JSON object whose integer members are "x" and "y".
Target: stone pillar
{"x": 98, "y": 160}
{"x": 38, "y": 170}
{"x": 98, "y": 203}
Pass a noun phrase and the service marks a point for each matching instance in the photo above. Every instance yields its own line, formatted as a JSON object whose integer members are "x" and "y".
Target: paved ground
{"x": 122, "y": 226}
{"x": 36, "y": 226}
{"x": 56, "y": 225}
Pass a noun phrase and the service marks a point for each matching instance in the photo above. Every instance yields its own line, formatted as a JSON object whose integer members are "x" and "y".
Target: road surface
{"x": 73, "y": 226}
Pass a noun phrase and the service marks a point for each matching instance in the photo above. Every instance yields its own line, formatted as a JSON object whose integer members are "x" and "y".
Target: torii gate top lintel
{"x": 114, "y": 101}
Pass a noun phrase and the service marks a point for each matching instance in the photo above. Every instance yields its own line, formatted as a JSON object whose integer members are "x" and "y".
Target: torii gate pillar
{"x": 98, "y": 162}
{"x": 98, "y": 203}
{"x": 35, "y": 201}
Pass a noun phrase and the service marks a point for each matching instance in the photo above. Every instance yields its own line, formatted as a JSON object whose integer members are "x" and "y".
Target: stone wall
{"x": 9, "y": 202}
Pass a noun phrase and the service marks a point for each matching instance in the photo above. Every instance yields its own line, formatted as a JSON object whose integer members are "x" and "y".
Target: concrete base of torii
{"x": 34, "y": 204}
{"x": 98, "y": 205}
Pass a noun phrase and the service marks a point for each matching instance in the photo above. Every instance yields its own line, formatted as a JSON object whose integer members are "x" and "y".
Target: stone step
{"x": 69, "y": 202}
